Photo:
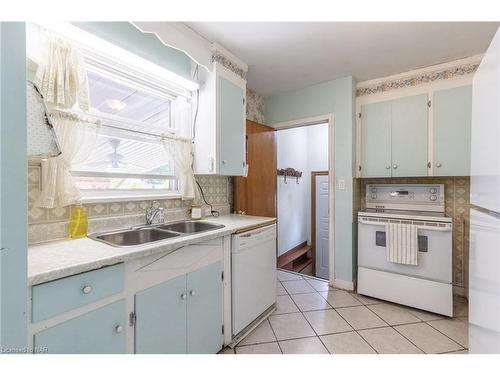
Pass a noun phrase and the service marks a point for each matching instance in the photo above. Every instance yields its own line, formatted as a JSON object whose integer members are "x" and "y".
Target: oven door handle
{"x": 446, "y": 228}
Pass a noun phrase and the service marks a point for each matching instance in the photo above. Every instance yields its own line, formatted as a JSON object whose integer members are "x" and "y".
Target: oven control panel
{"x": 405, "y": 197}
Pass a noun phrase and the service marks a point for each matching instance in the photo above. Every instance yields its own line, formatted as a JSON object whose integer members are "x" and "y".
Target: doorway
{"x": 303, "y": 164}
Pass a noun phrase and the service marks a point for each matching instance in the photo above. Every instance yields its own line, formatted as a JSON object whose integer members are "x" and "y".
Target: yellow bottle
{"x": 78, "y": 223}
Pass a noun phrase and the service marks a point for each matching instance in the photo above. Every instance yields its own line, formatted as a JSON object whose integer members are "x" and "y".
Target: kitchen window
{"x": 124, "y": 124}
{"x": 130, "y": 158}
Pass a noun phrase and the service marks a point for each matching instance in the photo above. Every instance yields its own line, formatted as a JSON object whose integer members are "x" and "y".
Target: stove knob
{"x": 374, "y": 196}
{"x": 433, "y": 190}
{"x": 433, "y": 197}
{"x": 373, "y": 190}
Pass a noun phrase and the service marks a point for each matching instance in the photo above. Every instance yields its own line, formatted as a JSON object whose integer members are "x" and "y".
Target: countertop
{"x": 57, "y": 259}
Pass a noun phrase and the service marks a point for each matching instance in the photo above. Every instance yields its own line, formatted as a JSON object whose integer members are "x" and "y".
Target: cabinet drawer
{"x": 101, "y": 331}
{"x": 55, "y": 297}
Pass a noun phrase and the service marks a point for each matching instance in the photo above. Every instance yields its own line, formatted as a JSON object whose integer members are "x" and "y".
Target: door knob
{"x": 87, "y": 289}
{"x": 118, "y": 329}
{"x": 438, "y": 165}
{"x": 183, "y": 296}
{"x": 192, "y": 293}
{"x": 395, "y": 166}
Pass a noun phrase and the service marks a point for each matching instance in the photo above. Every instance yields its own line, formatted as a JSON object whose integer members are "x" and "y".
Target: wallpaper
{"x": 448, "y": 73}
{"x": 52, "y": 224}
{"x": 457, "y": 191}
{"x": 255, "y": 107}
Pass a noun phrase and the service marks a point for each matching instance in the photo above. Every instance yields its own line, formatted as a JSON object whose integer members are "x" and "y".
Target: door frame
{"x": 329, "y": 119}
{"x": 313, "y": 214}
{"x": 13, "y": 189}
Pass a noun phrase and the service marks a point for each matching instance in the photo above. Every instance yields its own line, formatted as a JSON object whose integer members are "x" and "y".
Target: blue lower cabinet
{"x": 182, "y": 315}
{"x": 98, "y": 331}
{"x": 58, "y": 296}
{"x": 161, "y": 318}
{"x": 204, "y": 310}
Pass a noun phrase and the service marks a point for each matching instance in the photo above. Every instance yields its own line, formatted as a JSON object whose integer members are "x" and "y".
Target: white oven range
{"x": 427, "y": 286}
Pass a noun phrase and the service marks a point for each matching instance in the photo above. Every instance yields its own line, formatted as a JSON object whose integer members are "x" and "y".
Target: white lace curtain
{"x": 61, "y": 78}
{"x": 77, "y": 139}
{"x": 181, "y": 150}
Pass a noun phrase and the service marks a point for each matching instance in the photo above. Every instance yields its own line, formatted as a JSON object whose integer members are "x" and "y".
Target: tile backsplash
{"x": 52, "y": 224}
{"x": 457, "y": 191}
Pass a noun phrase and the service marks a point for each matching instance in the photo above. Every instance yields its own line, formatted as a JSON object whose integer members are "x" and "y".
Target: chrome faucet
{"x": 152, "y": 212}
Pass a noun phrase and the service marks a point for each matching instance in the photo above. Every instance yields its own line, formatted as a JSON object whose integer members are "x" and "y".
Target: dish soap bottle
{"x": 78, "y": 224}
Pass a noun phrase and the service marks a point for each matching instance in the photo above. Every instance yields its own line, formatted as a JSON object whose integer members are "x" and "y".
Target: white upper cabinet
{"x": 376, "y": 140}
{"x": 220, "y": 136}
{"x": 409, "y": 136}
{"x": 394, "y": 138}
{"x": 428, "y": 134}
{"x": 451, "y": 131}
{"x": 231, "y": 127}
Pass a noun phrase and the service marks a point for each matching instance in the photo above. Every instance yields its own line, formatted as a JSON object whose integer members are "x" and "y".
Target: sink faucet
{"x": 152, "y": 212}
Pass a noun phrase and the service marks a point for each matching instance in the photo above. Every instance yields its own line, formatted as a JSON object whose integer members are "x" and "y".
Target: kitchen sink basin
{"x": 190, "y": 226}
{"x": 134, "y": 237}
{"x": 148, "y": 234}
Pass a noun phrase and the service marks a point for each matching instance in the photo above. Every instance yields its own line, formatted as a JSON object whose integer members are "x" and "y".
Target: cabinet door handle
{"x": 438, "y": 165}
{"x": 183, "y": 296}
{"x": 87, "y": 289}
{"x": 192, "y": 293}
{"x": 118, "y": 329}
{"x": 395, "y": 166}
{"x": 387, "y": 167}
{"x": 224, "y": 161}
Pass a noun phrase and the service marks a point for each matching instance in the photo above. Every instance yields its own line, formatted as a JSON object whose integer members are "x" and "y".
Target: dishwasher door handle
{"x": 256, "y": 232}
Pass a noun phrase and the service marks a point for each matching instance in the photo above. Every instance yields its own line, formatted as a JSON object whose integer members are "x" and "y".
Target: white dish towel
{"x": 401, "y": 243}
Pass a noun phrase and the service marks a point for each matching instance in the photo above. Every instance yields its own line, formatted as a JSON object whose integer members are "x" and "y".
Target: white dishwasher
{"x": 253, "y": 275}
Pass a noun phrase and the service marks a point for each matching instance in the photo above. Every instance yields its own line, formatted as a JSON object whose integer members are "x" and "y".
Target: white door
{"x": 321, "y": 235}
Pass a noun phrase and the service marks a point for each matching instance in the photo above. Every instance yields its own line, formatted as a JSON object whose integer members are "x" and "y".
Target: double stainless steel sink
{"x": 152, "y": 233}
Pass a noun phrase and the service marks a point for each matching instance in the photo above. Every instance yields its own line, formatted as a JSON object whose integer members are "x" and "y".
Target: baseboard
{"x": 343, "y": 284}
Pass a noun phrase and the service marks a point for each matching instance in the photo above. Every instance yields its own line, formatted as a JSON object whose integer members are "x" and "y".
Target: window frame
{"x": 115, "y": 70}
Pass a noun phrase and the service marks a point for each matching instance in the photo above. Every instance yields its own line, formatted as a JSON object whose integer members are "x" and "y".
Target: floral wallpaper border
{"x": 228, "y": 64}
{"x": 449, "y": 73}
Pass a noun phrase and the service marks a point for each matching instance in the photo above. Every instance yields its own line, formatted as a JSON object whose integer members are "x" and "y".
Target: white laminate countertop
{"x": 57, "y": 259}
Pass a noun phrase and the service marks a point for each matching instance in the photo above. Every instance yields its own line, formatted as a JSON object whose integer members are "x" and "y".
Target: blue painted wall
{"x": 148, "y": 46}
{"x": 337, "y": 97}
{"x": 13, "y": 191}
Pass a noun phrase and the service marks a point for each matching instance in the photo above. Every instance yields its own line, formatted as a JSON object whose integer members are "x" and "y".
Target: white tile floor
{"x": 313, "y": 318}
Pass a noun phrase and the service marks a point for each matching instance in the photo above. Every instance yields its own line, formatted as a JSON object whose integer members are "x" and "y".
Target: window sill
{"x": 128, "y": 198}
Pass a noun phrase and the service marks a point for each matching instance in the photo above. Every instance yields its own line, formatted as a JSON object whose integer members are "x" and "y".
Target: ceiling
{"x": 287, "y": 55}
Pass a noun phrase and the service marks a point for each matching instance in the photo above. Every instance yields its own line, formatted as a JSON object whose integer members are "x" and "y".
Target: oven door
{"x": 434, "y": 256}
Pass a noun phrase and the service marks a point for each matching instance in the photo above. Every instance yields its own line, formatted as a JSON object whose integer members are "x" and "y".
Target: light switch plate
{"x": 341, "y": 184}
